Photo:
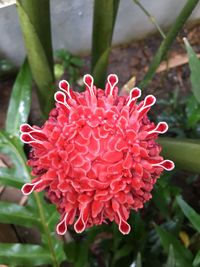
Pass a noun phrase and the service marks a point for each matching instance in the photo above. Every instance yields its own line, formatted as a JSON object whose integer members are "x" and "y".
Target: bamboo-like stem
{"x": 34, "y": 16}
{"x": 167, "y": 42}
{"x": 104, "y": 17}
{"x": 184, "y": 152}
{"x": 150, "y": 17}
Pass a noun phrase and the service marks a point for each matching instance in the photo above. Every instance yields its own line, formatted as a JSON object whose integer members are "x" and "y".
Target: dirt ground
{"x": 126, "y": 61}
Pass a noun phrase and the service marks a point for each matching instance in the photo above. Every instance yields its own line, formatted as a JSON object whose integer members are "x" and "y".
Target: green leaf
{"x": 58, "y": 70}
{"x": 182, "y": 255}
{"x": 78, "y": 62}
{"x": 171, "y": 258}
{"x": 192, "y": 112}
{"x": 77, "y": 253}
{"x": 194, "y": 64}
{"x": 100, "y": 67}
{"x": 63, "y": 54}
{"x": 184, "y": 152}
{"x": 190, "y": 213}
{"x": 53, "y": 217}
{"x": 36, "y": 206}
{"x": 104, "y": 17}
{"x": 15, "y": 214}
{"x": 11, "y": 146}
{"x": 161, "y": 199}
{"x": 196, "y": 261}
{"x": 7, "y": 177}
{"x": 20, "y": 100}
{"x": 34, "y": 18}
{"x": 168, "y": 41}
{"x": 122, "y": 252}
{"x": 138, "y": 260}
{"x": 26, "y": 255}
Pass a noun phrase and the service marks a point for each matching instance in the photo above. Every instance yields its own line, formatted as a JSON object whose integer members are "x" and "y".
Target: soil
{"x": 126, "y": 61}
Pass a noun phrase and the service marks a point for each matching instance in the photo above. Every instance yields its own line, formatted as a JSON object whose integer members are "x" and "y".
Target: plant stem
{"x": 151, "y": 18}
{"x": 104, "y": 17}
{"x": 167, "y": 42}
{"x": 184, "y": 152}
{"x": 21, "y": 156}
{"x": 45, "y": 227}
{"x": 34, "y": 16}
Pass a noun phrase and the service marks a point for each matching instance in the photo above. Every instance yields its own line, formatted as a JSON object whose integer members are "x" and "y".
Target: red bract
{"x": 96, "y": 155}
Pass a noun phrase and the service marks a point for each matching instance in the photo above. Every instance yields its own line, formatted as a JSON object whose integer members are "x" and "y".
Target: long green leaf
{"x": 190, "y": 213}
{"x": 40, "y": 209}
{"x": 11, "y": 146}
{"x": 168, "y": 41}
{"x": 104, "y": 17}
{"x": 196, "y": 261}
{"x": 182, "y": 255}
{"x": 20, "y": 100}
{"x": 171, "y": 257}
{"x": 138, "y": 260}
{"x": 194, "y": 64}
{"x": 34, "y": 18}
{"x": 25, "y": 255}
{"x": 15, "y": 214}
{"x": 7, "y": 177}
{"x": 184, "y": 152}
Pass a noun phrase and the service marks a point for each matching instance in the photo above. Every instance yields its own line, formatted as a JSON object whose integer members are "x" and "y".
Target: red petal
{"x": 94, "y": 145}
{"x": 127, "y": 164}
{"x": 85, "y": 132}
{"x": 79, "y": 226}
{"x": 82, "y": 148}
{"x": 84, "y": 198}
{"x": 112, "y": 156}
{"x": 131, "y": 135}
{"x": 97, "y": 207}
{"x": 124, "y": 227}
{"x": 78, "y": 161}
{"x": 120, "y": 145}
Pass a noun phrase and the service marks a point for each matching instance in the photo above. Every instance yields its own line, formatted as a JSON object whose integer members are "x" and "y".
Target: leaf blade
{"x": 194, "y": 64}
{"x": 16, "y": 214}
{"x": 196, "y": 261}
{"x": 11, "y": 146}
{"x": 104, "y": 18}
{"x": 28, "y": 255}
{"x": 8, "y": 177}
{"x": 171, "y": 258}
{"x": 182, "y": 255}
{"x": 190, "y": 213}
{"x": 35, "y": 24}
{"x": 19, "y": 105}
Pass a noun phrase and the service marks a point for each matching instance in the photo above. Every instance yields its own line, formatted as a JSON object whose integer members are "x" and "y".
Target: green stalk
{"x": 168, "y": 41}
{"x": 22, "y": 158}
{"x": 184, "y": 152}
{"x": 151, "y": 18}
{"x": 34, "y": 16}
{"x": 104, "y": 16}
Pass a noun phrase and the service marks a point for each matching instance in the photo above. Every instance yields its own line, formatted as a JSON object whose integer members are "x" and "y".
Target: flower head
{"x": 96, "y": 155}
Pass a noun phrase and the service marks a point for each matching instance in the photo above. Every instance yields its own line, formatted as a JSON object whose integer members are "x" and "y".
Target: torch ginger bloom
{"x": 96, "y": 155}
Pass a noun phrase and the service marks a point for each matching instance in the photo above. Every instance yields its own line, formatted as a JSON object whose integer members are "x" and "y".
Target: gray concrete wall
{"x": 72, "y": 24}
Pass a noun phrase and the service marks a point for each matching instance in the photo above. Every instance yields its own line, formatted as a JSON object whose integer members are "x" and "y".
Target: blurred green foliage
{"x": 67, "y": 64}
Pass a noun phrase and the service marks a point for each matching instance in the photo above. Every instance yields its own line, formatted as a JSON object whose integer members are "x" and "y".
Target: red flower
{"x": 96, "y": 155}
